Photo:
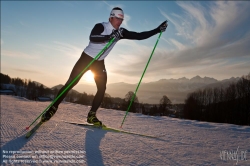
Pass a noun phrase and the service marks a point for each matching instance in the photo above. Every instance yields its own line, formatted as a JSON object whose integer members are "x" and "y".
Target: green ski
{"x": 110, "y": 129}
{"x": 33, "y": 130}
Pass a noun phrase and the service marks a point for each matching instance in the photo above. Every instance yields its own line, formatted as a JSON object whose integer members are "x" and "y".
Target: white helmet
{"x": 117, "y": 12}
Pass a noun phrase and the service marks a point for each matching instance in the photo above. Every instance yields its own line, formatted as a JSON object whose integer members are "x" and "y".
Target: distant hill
{"x": 152, "y": 92}
{"x": 60, "y": 86}
{"x": 57, "y": 87}
{"x": 176, "y": 89}
{"x": 39, "y": 84}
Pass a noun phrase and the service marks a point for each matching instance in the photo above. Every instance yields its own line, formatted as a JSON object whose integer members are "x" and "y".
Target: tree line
{"x": 31, "y": 90}
{"x": 25, "y": 88}
{"x": 222, "y": 105}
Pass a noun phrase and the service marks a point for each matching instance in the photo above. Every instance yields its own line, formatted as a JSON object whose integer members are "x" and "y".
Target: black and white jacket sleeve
{"x": 95, "y": 35}
{"x": 138, "y": 35}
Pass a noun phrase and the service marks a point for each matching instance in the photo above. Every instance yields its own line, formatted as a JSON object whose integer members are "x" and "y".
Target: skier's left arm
{"x": 143, "y": 35}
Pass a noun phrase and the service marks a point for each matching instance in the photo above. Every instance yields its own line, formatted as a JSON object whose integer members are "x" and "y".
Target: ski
{"x": 128, "y": 132}
{"x": 33, "y": 130}
{"x": 110, "y": 129}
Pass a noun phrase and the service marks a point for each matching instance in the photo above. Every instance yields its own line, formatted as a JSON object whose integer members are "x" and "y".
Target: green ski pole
{"x": 131, "y": 101}
{"x": 97, "y": 56}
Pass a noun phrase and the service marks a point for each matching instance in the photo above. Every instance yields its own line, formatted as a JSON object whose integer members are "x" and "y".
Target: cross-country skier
{"x": 99, "y": 37}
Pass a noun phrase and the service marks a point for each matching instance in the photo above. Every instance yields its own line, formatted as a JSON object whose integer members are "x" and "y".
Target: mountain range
{"x": 175, "y": 89}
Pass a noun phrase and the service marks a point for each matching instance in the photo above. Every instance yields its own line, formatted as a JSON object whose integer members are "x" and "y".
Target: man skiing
{"x": 99, "y": 37}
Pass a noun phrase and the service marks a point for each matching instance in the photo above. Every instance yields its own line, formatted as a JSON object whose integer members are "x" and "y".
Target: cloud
{"x": 2, "y": 42}
{"x": 17, "y": 54}
{"x": 166, "y": 40}
{"x": 110, "y": 7}
{"x": 26, "y": 71}
{"x": 206, "y": 37}
{"x": 65, "y": 48}
{"x": 177, "y": 44}
{"x": 204, "y": 26}
{"x": 126, "y": 20}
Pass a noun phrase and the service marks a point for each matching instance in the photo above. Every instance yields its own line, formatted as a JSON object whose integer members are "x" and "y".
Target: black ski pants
{"x": 98, "y": 69}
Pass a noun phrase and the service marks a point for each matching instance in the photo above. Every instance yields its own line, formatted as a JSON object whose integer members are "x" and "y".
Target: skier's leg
{"x": 101, "y": 80}
{"x": 83, "y": 61}
{"x": 79, "y": 66}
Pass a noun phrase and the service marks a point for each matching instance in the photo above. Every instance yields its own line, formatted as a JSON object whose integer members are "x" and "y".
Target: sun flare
{"x": 88, "y": 77}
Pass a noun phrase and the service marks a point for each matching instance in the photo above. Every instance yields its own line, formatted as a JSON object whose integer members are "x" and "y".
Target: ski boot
{"x": 48, "y": 114}
{"x": 93, "y": 119}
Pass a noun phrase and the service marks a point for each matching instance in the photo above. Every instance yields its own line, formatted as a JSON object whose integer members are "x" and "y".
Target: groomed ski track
{"x": 182, "y": 142}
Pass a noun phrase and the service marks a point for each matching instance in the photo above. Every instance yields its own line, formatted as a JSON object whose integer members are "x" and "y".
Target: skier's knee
{"x": 68, "y": 82}
{"x": 101, "y": 89}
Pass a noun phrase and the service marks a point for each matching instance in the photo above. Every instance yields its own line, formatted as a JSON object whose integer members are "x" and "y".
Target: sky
{"x": 42, "y": 40}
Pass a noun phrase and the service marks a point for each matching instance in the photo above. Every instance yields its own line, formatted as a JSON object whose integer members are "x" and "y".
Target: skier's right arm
{"x": 95, "y": 35}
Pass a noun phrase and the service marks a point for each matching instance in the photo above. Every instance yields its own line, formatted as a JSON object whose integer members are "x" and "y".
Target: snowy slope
{"x": 182, "y": 142}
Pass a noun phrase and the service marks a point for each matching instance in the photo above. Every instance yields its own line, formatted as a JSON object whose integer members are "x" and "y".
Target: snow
{"x": 181, "y": 142}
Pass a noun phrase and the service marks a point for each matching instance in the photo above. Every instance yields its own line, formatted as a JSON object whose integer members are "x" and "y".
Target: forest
{"x": 222, "y": 105}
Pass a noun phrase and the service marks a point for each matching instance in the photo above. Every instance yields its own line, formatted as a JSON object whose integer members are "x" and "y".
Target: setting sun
{"x": 88, "y": 77}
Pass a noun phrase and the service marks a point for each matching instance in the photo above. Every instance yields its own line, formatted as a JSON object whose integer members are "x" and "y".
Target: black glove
{"x": 163, "y": 26}
{"x": 117, "y": 34}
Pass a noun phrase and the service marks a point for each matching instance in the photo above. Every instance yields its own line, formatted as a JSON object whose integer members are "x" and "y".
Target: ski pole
{"x": 68, "y": 86}
{"x": 131, "y": 101}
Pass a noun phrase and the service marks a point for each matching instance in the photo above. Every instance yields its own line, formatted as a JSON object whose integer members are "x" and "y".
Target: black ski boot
{"x": 48, "y": 114}
{"x": 93, "y": 119}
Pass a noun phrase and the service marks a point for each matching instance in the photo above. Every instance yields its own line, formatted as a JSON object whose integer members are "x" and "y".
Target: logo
{"x": 235, "y": 155}
{"x": 120, "y": 15}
